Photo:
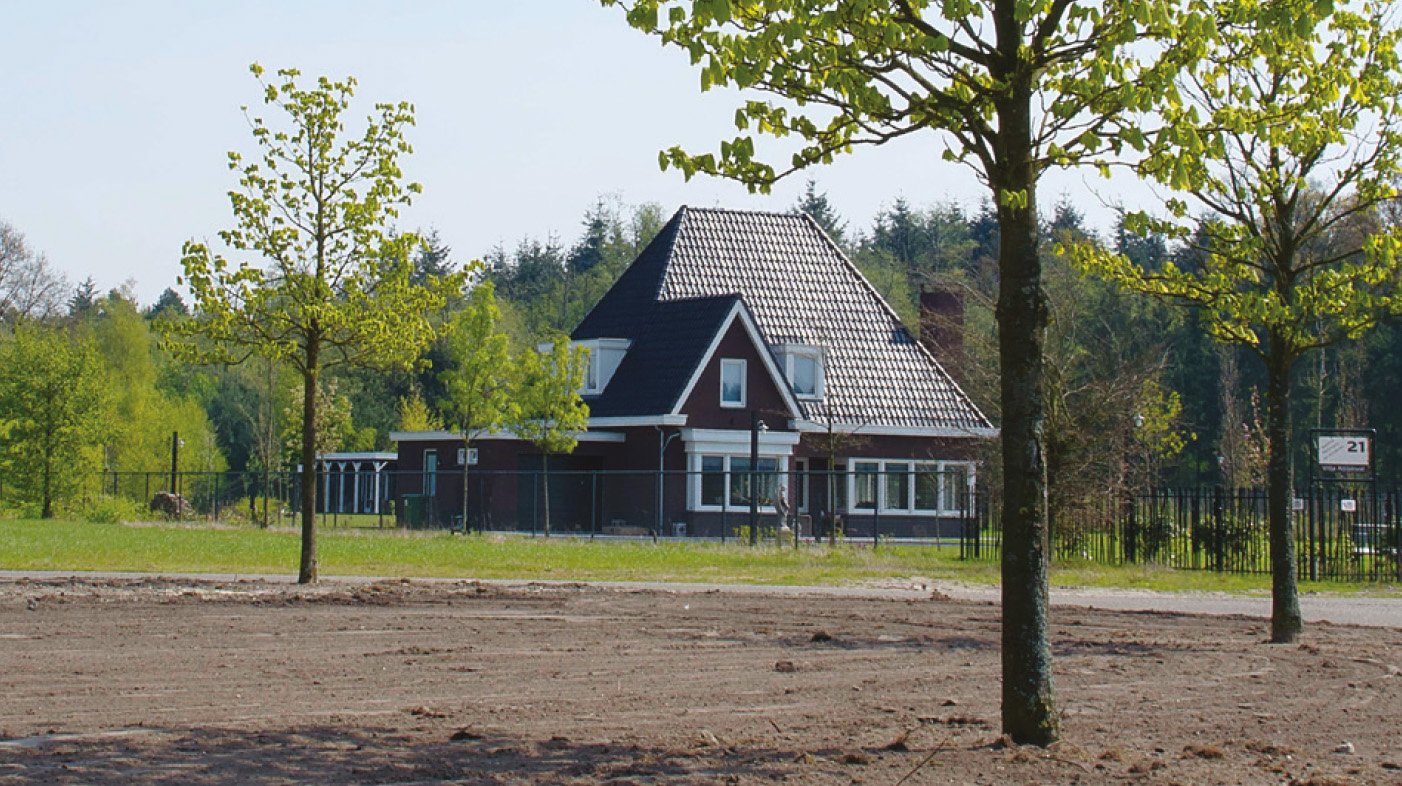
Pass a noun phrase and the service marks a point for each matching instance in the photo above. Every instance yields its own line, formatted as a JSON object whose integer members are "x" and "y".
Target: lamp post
{"x": 756, "y": 426}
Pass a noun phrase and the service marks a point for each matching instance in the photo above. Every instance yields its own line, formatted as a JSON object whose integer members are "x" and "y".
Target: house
{"x": 732, "y": 325}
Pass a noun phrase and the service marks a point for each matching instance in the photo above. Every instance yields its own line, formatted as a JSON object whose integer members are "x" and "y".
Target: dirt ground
{"x": 180, "y": 682}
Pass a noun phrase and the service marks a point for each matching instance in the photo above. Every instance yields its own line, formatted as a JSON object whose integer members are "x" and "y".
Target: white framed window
{"x": 605, "y": 356}
{"x": 591, "y": 375}
{"x": 722, "y": 482}
{"x": 904, "y": 486}
{"x": 732, "y": 383}
{"x": 803, "y": 367}
{"x": 470, "y": 454}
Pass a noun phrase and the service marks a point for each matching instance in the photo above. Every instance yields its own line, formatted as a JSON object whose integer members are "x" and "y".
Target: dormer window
{"x": 605, "y": 355}
{"x": 803, "y": 366}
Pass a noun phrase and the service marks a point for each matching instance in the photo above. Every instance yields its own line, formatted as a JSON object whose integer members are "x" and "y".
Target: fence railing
{"x": 1341, "y": 533}
{"x": 1344, "y": 533}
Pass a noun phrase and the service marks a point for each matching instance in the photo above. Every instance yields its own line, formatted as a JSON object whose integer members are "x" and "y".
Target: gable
{"x": 765, "y": 391}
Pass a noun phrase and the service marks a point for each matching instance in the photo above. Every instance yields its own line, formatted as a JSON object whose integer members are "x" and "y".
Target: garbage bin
{"x": 415, "y": 510}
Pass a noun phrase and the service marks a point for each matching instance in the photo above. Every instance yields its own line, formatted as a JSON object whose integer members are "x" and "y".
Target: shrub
{"x": 111, "y": 510}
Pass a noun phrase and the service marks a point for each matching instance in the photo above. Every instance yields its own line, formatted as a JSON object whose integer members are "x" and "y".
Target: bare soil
{"x": 181, "y": 682}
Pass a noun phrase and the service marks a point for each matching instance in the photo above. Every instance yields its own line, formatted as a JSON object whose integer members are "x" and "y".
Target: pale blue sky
{"x": 115, "y": 119}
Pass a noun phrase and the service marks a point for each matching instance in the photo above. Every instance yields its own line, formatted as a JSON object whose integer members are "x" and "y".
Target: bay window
{"x": 724, "y": 482}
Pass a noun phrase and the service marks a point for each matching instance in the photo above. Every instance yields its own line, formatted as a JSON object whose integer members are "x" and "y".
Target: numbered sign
{"x": 1345, "y": 454}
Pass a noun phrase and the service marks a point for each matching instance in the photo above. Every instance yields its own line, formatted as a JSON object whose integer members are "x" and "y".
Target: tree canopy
{"x": 1283, "y": 148}
{"x": 326, "y": 282}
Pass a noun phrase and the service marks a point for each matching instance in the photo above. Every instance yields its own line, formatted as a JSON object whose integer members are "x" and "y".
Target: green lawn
{"x": 77, "y": 546}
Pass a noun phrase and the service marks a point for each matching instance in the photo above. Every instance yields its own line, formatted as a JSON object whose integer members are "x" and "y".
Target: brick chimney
{"x": 942, "y": 327}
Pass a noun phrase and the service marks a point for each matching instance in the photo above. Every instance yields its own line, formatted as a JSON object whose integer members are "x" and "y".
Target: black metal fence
{"x": 1342, "y": 533}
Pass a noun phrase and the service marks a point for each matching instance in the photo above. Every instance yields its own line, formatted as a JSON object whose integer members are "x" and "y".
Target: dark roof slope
{"x": 800, "y": 289}
{"x": 660, "y": 362}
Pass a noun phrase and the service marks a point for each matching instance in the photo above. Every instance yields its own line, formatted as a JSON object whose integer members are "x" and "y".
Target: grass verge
{"x": 80, "y": 546}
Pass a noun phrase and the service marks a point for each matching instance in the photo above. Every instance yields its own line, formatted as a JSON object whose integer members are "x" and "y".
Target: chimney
{"x": 942, "y": 327}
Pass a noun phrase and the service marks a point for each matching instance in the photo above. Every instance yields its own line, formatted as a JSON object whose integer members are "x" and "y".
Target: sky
{"x": 117, "y": 118}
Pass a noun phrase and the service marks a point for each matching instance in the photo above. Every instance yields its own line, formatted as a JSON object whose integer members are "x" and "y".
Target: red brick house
{"x": 725, "y": 319}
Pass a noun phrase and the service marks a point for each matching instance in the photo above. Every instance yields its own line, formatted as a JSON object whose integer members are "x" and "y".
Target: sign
{"x": 1348, "y": 505}
{"x": 1345, "y": 454}
{"x": 1297, "y": 504}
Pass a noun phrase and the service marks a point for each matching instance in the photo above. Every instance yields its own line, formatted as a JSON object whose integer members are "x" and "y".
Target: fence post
{"x": 1130, "y": 547}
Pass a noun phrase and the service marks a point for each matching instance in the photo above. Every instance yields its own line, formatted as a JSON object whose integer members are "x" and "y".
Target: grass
{"x": 78, "y": 546}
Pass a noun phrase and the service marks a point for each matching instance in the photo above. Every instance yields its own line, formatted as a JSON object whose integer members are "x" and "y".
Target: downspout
{"x": 663, "y": 440}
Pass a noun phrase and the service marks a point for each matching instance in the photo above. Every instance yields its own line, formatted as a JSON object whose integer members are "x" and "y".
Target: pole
{"x": 174, "y": 458}
{"x": 754, "y": 477}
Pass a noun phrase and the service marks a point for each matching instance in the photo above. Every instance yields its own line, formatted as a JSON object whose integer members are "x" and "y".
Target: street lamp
{"x": 756, "y": 426}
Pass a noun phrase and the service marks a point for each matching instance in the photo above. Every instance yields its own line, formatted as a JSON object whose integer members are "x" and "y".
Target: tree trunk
{"x": 466, "y": 459}
{"x": 1029, "y": 712}
{"x": 545, "y": 468}
{"x": 1286, "y": 623}
{"x": 307, "y": 572}
{"x": 47, "y": 505}
{"x": 269, "y": 447}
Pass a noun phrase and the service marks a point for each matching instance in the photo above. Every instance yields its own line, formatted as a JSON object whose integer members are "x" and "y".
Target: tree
{"x": 29, "y": 287}
{"x": 84, "y": 298}
{"x": 1017, "y": 87}
{"x": 333, "y": 420}
{"x": 55, "y": 413}
{"x": 334, "y": 287}
{"x": 480, "y": 382}
{"x": 416, "y": 415}
{"x": 1288, "y": 137}
{"x": 433, "y": 260}
{"x": 144, "y": 413}
{"x": 550, "y": 412}
{"x": 169, "y": 305}
{"x": 817, "y": 207}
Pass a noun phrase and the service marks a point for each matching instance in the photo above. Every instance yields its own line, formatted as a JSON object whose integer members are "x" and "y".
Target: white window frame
{"x": 790, "y": 353}
{"x": 471, "y": 456}
{"x": 591, "y": 376}
{"x": 884, "y": 507}
{"x": 694, "y": 503}
{"x": 742, "y": 365}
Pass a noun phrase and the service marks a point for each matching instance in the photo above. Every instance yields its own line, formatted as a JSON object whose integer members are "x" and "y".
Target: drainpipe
{"x": 663, "y": 440}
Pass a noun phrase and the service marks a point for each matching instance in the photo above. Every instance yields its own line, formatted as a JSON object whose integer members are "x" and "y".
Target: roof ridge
{"x": 741, "y": 212}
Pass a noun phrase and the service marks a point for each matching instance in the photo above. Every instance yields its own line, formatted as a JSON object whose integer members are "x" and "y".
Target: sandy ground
{"x": 188, "y": 682}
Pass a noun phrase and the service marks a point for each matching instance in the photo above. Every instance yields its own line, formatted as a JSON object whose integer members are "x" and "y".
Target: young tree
{"x": 480, "y": 382}
{"x": 416, "y": 415}
{"x": 55, "y": 414}
{"x": 1287, "y": 134}
{"x": 332, "y": 285}
{"x": 1017, "y": 87}
{"x": 550, "y": 412}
